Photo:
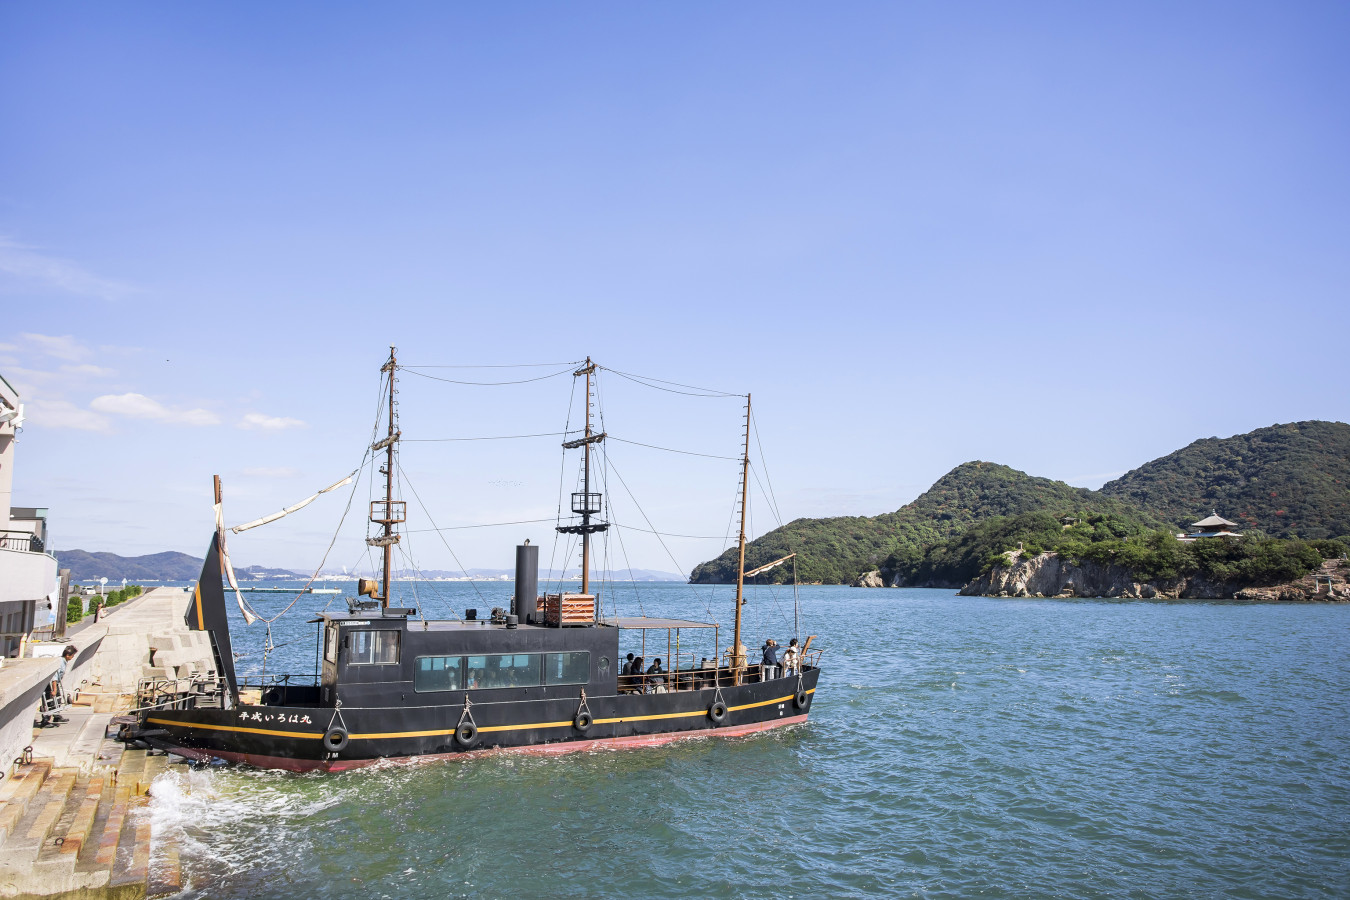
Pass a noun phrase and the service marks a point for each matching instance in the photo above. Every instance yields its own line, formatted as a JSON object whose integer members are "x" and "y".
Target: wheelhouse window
{"x": 330, "y": 643}
{"x": 372, "y": 648}
{"x": 567, "y": 668}
{"x": 439, "y": 673}
{"x": 503, "y": 670}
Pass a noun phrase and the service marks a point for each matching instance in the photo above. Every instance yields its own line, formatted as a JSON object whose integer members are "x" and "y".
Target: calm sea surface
{"x": 957, "y": 747}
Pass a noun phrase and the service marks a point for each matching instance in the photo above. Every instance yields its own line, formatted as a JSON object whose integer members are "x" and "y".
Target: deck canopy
{"x": 648, "y": 622}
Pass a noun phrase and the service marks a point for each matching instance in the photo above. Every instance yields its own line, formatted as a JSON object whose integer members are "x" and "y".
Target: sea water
{"x": 957, "y": 747}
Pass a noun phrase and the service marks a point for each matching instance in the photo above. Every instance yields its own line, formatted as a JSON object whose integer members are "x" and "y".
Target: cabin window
{"x": 503, "y": 670}
{"x": 567, "y": 668}
{"x": 330, "y": 644}
{"x": 372, "y": 648}
{"x": 438, "y": 673}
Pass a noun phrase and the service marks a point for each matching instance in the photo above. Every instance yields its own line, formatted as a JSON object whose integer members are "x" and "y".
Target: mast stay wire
{"x": 772, "y": 497}
{"x": 351, "y": 495}
{"x": 562, "y": 475}
{"x": 486, "y": 383}
{"x": 654, "y": 384}
{"x": 500, "y": 366}
{"x": 453, "y": 555}
{"x": 678, "y": 568}
{"x": 623, "y": 548}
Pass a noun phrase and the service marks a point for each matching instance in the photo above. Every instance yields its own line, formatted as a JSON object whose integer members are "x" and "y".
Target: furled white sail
{"x": 249, "y": 615}
{"x": 290, "y": 509}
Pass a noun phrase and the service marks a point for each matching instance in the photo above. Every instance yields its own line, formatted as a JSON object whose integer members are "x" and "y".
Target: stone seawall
{"x": 1048, "y": 575}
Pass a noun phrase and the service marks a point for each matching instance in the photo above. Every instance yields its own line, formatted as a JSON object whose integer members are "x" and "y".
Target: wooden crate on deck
{"x": 561, "y": 610}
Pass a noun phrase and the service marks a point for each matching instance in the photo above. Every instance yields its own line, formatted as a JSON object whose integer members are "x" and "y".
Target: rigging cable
{"x": 678, "y": 567}
{"x": 500, "y": 437}
{"x": 566, "y": 371}
{"x": 576, "y": 362}
{"x": 655, "y": 384}
{"x": 443, "y": 540}
{"x": 670, "y": 449}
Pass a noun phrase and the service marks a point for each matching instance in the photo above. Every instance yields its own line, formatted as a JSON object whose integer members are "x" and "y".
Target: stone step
{"x": 17, "y": 794}
{"x": 48, "y": 806}
{"x": 110, "y": 829}
{"x": 131, "y": 863}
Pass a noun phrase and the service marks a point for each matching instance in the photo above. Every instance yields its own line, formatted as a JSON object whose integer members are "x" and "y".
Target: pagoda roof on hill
{"x": 1213, "y": 521}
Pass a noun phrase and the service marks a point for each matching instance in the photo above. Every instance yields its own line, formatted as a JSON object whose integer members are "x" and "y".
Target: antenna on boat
{"x": 387, "y": 512}
{"x": 585, "y": 503}
{"x": 738, "y": 660}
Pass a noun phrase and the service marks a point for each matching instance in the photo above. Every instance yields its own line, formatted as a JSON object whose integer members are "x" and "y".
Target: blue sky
{"x": 1058, "y": 236}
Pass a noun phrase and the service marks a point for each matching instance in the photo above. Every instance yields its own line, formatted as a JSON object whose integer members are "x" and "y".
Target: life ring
{"x": 334, "y": 739}
{"x": 800, "y": 699}
{"x": 717, "y": 712}
{"x": 582, "y": 721}
{"x": 466, "y": 735}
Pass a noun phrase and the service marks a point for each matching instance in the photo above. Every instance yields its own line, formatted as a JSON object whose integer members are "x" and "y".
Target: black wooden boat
{"x": 542, "y": 677}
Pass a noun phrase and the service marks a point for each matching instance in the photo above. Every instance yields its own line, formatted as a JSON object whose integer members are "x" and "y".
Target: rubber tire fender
{"x": 717, "y": 712}
{"x": 582, "y": 722}
{"x": 800, "y": 699}
{"x": 466, "y": 735}
{"x": 334, "y": 739}
{"x": 271, "y": 697}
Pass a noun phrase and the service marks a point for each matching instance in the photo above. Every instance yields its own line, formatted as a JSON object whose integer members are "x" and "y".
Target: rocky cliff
{"x": 1048, "y": 575}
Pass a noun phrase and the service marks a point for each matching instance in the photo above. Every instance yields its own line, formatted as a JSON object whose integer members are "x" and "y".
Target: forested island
{"x": 1287, "y": 486}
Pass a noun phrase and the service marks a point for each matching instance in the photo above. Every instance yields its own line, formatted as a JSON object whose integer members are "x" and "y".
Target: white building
{"x": 27, "y": 567}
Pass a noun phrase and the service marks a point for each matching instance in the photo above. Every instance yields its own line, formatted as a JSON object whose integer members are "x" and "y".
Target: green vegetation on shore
{"x": 837, "y": 550}
{"x": 1285, "y": 481}
{"x": 76, "y": 609}
{"x": 1149, "y": 555}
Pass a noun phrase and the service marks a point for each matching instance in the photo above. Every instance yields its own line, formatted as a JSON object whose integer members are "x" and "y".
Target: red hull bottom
{"x": 339, "y": 765}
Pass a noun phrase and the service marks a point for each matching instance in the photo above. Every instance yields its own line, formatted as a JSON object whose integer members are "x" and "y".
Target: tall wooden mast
{"x": 388, "y": 512}
{"x": 738, "y": 661}
{"x": 586, "y": 486}
{"x": 586, "y": 503}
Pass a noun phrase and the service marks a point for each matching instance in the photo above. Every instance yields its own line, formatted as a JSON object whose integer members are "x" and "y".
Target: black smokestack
{"x": 527, "y": 582}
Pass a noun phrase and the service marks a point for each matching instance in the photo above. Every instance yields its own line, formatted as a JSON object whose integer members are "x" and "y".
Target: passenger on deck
{"x": 768, "y": 666}
{"x": 792, "y": 659}
{"x": 627, "y": 666}
{"x": 637, "y": 684}
{"x": 656, "y": 678}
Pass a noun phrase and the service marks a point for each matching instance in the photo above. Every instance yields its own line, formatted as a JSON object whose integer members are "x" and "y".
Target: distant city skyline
{"x": 1065, "y": 239}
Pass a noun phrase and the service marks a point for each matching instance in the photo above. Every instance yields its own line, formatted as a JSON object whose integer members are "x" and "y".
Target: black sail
{"x": 207, "y": 613}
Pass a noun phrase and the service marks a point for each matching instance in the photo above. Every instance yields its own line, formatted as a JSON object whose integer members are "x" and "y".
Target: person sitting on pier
{"x": 768, "y": 667}
{"x": 656, "y": 678}
{"x": 54, "y": 697}
{"x": 792, "y": 659}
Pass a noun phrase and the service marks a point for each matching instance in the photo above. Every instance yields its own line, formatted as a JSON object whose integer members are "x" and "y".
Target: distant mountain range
{"x": 88, "y": 567}
{"x": 1283, "y": 481}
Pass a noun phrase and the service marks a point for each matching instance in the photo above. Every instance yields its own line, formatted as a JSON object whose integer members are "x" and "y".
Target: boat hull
{"x": 292, "y": 738}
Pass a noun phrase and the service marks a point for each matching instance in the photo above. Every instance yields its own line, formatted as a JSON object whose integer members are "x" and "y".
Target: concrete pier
{"x": 73, "y": 817}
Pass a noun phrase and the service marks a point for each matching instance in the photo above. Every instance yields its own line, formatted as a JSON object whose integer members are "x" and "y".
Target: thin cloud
{"x": 22, "y": 266}
{"x": 62, "y": 346}
{"x": 64, "y": 414}
{"x": 260, "y": 422}
{"x": 139, "y": 406}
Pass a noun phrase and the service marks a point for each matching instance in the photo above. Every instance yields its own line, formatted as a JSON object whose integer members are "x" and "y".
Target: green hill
{"x": 837, "y": 550}
{"x": 1286, "y": 481}
{"x": 89, "y": 567}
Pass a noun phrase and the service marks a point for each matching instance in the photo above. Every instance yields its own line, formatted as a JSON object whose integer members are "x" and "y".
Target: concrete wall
{"x": 25, "y": 575}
